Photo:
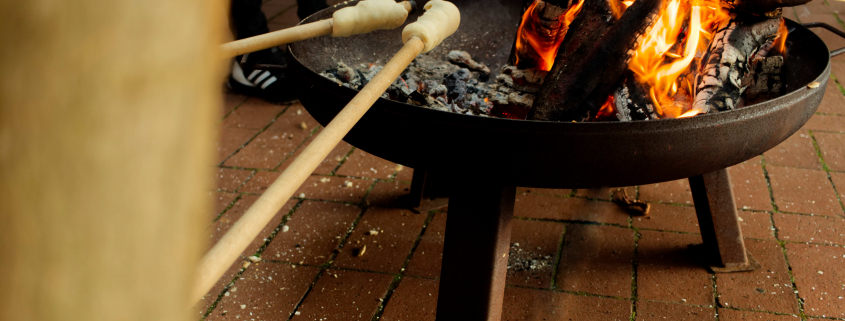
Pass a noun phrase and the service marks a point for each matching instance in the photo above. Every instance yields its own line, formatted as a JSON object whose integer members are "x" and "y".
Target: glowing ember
{"x": 543, "y": 41}
{"x": 608, "y": 110}
{"x": 663, "y": 59}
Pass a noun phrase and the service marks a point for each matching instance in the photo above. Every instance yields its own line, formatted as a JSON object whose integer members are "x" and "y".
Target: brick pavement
{"x": 605, "y": 265}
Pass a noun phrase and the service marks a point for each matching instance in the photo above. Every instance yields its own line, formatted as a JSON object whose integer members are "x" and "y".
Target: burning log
{"x": 728, "y": 60}
{"x": 577, "y": 90}
{"x": 761, "y": 7}
{"x": 632, "y": 102}
{"x": 544, "y": 26}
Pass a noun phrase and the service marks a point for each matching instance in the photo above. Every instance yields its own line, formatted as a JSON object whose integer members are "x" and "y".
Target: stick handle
{"x": 277, "y": 38}
{"x": 286, "y": 36}
{"x": 220, "y": 257}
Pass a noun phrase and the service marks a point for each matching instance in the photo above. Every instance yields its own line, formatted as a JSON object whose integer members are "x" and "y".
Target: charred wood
{"x": 463, "y": 58}
{"x": 592, "y": 23}
{"x": 764, "y": 79}
{"x": 632, "y": 101}
{"x": 575, "y": 91}
{"x": 728, "y": 60}
{"x": 546, "y": 23}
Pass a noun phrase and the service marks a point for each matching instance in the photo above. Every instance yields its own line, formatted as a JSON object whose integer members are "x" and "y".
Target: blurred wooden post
{"x": 106, "y": 116}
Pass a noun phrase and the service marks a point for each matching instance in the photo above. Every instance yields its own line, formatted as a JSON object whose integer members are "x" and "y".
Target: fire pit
{"x": 504, "y": 153}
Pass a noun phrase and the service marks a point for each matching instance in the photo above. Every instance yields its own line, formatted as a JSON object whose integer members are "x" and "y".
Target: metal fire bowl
{"x": 549, "y": 154}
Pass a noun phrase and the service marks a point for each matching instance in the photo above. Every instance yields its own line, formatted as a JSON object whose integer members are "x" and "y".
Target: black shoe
{"x": 262, "y": 74}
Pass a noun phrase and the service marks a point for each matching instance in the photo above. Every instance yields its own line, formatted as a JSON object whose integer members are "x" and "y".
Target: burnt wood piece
{"x": 632, "y": 101}
{"x": 727, "y": 61}
{"x": 764, "y": 81}
{"x": 575, "y": 90}
{"x": 761, "y": 6}
{"x": 546, "y": 21}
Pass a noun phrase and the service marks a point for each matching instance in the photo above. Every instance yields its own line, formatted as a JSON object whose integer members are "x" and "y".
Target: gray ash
{"x": 454, "y": 83}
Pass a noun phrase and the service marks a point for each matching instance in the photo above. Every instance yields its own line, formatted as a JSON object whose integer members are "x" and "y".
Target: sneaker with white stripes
{"x": 262, "y": 74}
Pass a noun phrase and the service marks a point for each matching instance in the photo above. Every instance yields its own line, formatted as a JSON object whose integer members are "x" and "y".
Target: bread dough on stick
{"x": 368, "y": 15}
{"x": 440, "y": 20}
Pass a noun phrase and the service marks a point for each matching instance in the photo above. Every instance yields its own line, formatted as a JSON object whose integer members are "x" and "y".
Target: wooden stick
{"x": 284, "y": 36}
{"x": 220, "y": 257}
{"x": 277, "y": 38}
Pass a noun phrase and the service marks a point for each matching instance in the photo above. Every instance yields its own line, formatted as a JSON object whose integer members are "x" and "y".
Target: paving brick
{"x": 404, "y": 174}
{"x": 221, "y": 202}
{"x": 830, "y": 123}
{"x": 795, "y": 151}
{"x": 385, "y": 251}
{"x": 413, "y": 300}
{"x": 570, "y": 208}
{"x": 363, "y": 164}
{"x": 349, "y": 296}
{"x": 266, "y": 151}
{"x": 669, "y": 218}
{"x": 209, "y": 298}
{"x": 219, "y": 228}
{"x": 273, "y": 8}
{"x": 803, "y": 191}
{"x": 833, "y": 101}
{"x": 536, "y": 240}
{"x": 597, "y": 193}
{"x": 535, "y": 305}
{"x": 334, "y": 188}
{"x": 548, "y": 191}
{"x": 231, "y": 139}
{"x": 764, "y": 289}
{"x": 806, "y": 228}
{"x": 230, "y": 179}
{"x": 756, "y": 225}
{"x": 328, "y": 165}
{"x": 266, "y": 291}
{"x": 387, "y": 194}
{"x": 832, "y": 147}
{"x": 231, "y": 101}
{"x": 252, "y": 114}
{"x": 290, "y": 122}
{"x": 839, "y": 182}
{"x": 596, "y": 259}
{"x": 667, "y": 192}
{"x": 313, "y": 233}
{"x": 278, "y": 142}
{"x": 668, "y": 271}
{"x": 819, "y": 277}
{"x": 429, "y": 253}
{"x": 284, "y": 20}
{"x": 315, "y": 187}
{"x": 748, "y": 183}
{"x": 677, "y": 312}
{"x": 737, "y": 315}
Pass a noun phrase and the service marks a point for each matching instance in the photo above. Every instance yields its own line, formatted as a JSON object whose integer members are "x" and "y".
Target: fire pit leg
{"x": 723, "y": 248}
{"x": 475, "y": 254}
{"x": 425, "y": 193}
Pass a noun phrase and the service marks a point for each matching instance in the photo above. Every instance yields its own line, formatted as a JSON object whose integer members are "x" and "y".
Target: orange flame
{"x": 780, "y": 46}
{"x": 657, "y": 61}
{"x": 608, "y": 110}
{"x": 544, "y": 44}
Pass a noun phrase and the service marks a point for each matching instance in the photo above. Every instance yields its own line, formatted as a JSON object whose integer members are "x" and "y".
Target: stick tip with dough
{"x": 367, "y": 16}
{"x": 440, "y": 20}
